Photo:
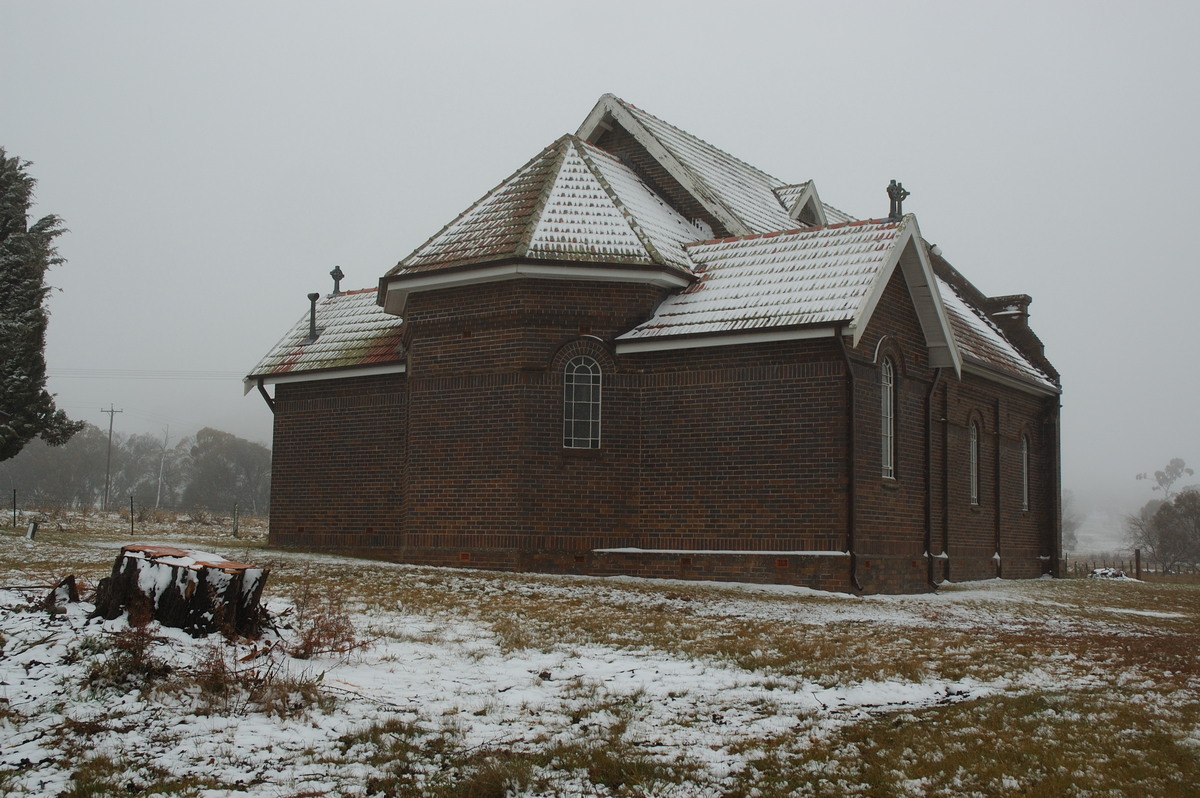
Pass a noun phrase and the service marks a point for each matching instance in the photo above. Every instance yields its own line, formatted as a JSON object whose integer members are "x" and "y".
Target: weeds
{"x": 125, "y": 661}
{"x": 234, "y": 688}
{"x": 321, "y": 624}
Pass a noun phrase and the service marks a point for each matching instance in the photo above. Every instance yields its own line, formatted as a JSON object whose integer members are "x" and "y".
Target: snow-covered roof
{"x": 740, "y": 195}
{"x": 572, "y": 202}
{"x": 352, "y": 332}
{"x": 981, "y": 341}
{"x": 579, "y": 211}
{"x": 802, "y": 277}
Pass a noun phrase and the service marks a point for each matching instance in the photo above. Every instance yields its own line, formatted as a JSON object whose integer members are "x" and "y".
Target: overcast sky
{"x": 213, "y": 161}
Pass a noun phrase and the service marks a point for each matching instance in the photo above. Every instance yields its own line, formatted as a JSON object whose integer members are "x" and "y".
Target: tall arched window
{"x": 1024, "y": 472}
{"x": 974, "y": 463}
{"x": 887, "y": 416}
{"x": 581, "y": 403}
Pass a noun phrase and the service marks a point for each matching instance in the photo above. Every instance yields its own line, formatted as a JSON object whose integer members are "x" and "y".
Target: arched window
{"x": 974, "y": 463}
{"x": 1024, "y": 472}
{"x": 887, "y": 416}
{"x": 581, "y": 403}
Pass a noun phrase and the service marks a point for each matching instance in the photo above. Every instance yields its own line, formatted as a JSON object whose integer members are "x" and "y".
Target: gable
{"x": 741, "y": 197}
{"x": 909, "y": 254}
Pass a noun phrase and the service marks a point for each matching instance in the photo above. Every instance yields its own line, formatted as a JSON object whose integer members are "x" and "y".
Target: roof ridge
{"x": 794, "y": 230}
{"x": 535, "y": 213}
{"x": 697, "y": 138}
{"x": 586, "y": 153}
{"x": 486, "y": 195}
{"x": 373, "y": 290}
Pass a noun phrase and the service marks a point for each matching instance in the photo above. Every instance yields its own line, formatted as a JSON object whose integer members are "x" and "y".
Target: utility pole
{"x": 108, "y": 460}
{"x": 161, "y": 462}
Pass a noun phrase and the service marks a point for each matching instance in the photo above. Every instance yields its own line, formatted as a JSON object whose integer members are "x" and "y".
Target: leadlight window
{"x": 1024, "y": 472}
{"x": 581, "y": 403}
{"x": 887, "y": 416}
{"x": 974, "y": 463}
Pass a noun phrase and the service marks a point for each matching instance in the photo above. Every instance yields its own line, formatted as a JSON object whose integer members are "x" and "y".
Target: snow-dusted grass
{"x": 442, "y": 682}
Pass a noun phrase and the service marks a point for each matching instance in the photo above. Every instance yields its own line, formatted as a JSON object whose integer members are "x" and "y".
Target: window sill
{"x": 891, "y": 483}
{"x": 570, "y": 453}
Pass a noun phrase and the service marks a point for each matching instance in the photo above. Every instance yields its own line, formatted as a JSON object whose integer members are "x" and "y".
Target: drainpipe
{"x": 999, "y": 486}
{"x": 937, "y": 378}
{"x": 851, "y": 498}
{"x": 1053, "y": 412}
{"x": 262, "y": 389}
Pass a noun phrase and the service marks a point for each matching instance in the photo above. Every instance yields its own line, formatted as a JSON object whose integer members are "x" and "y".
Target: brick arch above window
{"x": 889, "y": 348}
{"x": 587, "y": 345}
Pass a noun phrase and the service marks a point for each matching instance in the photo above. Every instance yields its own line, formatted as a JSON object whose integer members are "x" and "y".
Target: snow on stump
{"x": 190, "y": 590}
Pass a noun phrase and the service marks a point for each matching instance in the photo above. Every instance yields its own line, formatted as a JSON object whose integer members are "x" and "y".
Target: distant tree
{"x": 26, "y": 253}
{"x": 1071, "y": 521}
{"x": 228, "y": 470}
{"x": 71, "y": 475}
{"x": 1170, "y": 474}
{"x": 1168, "y": 531}
{"x": 1179, "y": 522}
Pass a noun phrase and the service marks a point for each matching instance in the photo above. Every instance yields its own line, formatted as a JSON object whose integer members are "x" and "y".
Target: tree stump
{"x": 190, "y": 590}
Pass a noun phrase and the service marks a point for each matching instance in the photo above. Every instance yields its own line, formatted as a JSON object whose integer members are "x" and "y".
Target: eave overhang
{"x": 909, "y": 253}
{"x": 316, "y": 375}
{"x": 395, "y": 289}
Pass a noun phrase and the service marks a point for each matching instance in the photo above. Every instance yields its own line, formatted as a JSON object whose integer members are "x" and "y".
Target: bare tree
{"x": 1170, "y": 474}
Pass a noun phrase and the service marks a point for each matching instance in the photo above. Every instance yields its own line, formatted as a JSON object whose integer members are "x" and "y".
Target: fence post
{"x": 131, "y": 515}
{"x": 235, "y": 519}
{"x": 14, "y": 506}
{"x": 1137, "y": 563}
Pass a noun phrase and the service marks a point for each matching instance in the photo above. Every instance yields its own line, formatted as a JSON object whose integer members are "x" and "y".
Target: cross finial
{"x": 337, "y": 276}
{"x": 896, "y": 193}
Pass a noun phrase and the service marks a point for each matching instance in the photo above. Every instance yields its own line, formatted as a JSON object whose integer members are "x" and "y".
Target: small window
{"x": 1024, "y": 472}
{"x": 581, "y": 403}
{"x": 974, "y": 463}
{"x": 887, "y": 416}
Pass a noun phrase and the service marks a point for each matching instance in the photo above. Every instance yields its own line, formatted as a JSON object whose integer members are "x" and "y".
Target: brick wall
{"x": 339, "y": 463}
{"x": 460, "y": 461}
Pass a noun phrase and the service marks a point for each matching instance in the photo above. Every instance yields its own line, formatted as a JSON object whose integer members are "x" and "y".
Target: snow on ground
{"x": 448, "y": 670}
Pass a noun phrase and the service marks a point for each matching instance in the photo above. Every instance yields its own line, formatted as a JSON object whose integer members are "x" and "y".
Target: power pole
{"x": 108, "y": 460}
{"x": 161, "y": 462}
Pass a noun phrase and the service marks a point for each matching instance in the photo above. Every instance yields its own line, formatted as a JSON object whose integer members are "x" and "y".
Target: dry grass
{"x": 1093, "y": 686}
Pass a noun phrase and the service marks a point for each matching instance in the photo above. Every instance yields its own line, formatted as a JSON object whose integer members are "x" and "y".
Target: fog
{"x": 214, "y": 161}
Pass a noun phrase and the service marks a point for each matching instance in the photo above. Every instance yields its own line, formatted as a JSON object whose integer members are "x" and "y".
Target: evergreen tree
{"x": 26, "y": 252}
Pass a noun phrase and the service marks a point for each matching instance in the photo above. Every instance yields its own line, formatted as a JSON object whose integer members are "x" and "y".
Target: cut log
{"x": 190, "y": 590}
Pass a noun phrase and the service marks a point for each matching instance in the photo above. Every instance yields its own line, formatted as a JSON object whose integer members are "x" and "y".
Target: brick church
{"x": 640, "y": 355}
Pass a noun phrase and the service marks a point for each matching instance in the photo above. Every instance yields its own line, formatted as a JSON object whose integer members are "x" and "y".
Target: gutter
{"x": 851, "y": 496}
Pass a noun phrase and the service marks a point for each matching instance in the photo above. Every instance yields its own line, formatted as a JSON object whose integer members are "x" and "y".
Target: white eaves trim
{"x": 908, "y": 252}
{"x": 249, "y": 383}
{"x": 730, "y": 339}
{"x": 395, "y": 293}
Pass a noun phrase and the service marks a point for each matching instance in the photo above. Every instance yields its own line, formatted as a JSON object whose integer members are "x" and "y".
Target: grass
{"x": 1060, "y": 687}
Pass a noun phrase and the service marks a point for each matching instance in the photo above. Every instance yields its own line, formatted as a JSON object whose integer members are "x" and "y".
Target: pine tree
{"x": 26, "y": 252}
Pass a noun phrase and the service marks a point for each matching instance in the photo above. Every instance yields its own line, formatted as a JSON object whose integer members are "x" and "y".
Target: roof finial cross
{"x": 337, "y": 276}
{"x": 896, "y": 193}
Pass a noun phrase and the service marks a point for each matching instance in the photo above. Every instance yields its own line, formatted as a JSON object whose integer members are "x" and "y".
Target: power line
{"x": 143, "y": 374}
